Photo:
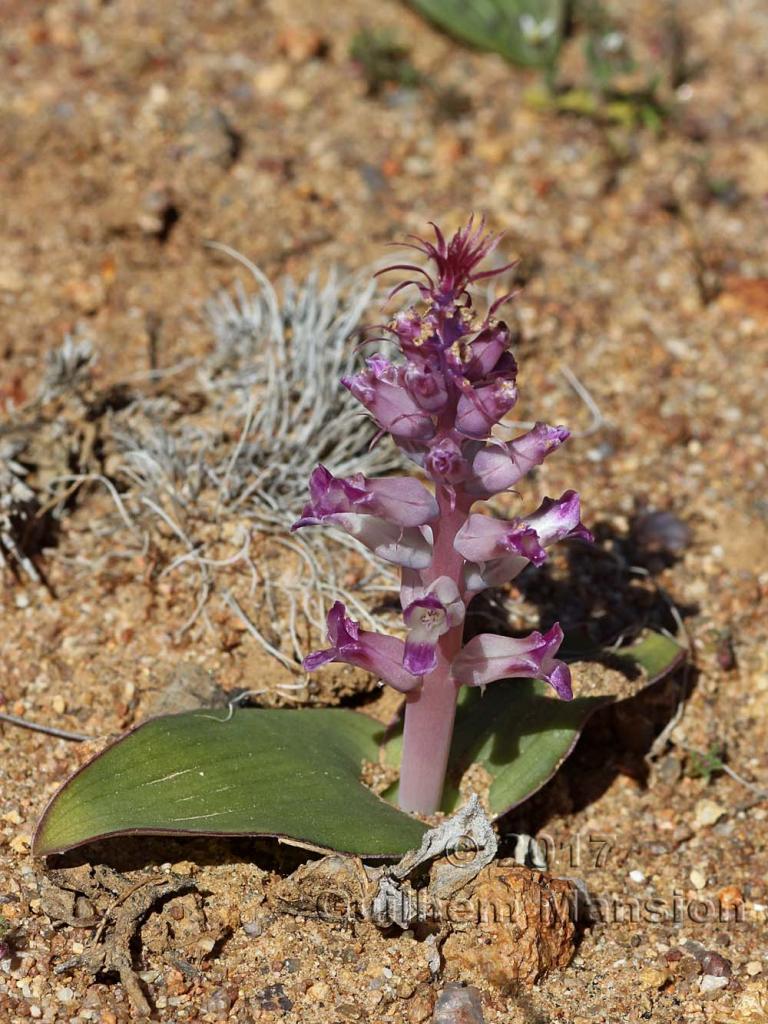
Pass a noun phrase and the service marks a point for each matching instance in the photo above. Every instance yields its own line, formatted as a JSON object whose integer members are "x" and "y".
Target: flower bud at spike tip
{"x": 443, "y": 401}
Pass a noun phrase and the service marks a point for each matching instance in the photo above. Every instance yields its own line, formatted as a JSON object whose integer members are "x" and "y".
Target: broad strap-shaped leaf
{"x": 294, "y": 774}
{"x": 525, "y": 32}
{"x": 521, "y": 734}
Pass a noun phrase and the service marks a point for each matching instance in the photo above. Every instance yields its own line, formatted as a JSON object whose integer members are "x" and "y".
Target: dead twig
{"x": 598, "y": 420}
{"x": 49, "y": 730}
{"x": 111, "y": 951}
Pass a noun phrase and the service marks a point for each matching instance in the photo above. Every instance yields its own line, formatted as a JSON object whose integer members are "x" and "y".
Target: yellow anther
{"x": 461, "y": 351}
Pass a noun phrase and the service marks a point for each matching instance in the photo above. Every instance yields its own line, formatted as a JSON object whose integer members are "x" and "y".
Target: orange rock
{"x": 511, "y": 925}
{"x": 745, "y": 295}
{"x": 730, "y": 897}
{"x": 300, "y": 43}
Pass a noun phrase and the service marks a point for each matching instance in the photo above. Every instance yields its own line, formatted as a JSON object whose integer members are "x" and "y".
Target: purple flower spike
{"x": 375, "y": 652}
{"x": 488, "y": 657}
{"x": 429, "y": 614}
{"x": 381, "y": 390}
{"x": 497, "y": 467}
{"x": 450, "y": 387}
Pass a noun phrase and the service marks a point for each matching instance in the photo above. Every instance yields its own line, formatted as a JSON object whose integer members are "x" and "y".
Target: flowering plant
{"x": 295, "y": 773}
{"x": 441, "y": 405}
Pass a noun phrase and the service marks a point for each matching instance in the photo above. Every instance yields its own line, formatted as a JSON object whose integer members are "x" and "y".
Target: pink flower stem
{"x": 430, "y": 710}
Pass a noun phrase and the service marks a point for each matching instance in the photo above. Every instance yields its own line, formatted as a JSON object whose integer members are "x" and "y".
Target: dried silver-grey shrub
{"x": 19, "y": 508}
{"x": 273, "y": 411}
{"x": 27, "y": 516}
{"x": 67, "y": 369}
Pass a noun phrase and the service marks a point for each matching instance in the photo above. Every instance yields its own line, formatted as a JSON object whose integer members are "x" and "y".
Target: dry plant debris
{"x": 62, "y": 898}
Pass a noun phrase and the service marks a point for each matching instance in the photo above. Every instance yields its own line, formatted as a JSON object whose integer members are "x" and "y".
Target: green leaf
{"x": 520, "y": 733}
{"x": 294, "y": 774}
{"x": 525, "y": 32}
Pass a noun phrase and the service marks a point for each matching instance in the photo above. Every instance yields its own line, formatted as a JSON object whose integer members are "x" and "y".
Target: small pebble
{"x": 219, "y": 1001}
{"x": 670, "y": 770}
{"x": 637, "y": 876}
{"x": 726, "y": 655}
{"x": 320, "y": 992}
{"x": 349, "y": 1011}
{"x": 698, "y": 879}
{"x": 707, "y": 813}
{"x": 715, "y": 965}
{"x": 458, "y": 1005}
{"x": 711, "y": 983}
{"x": 753, "y": 968}
{"x": 653, "y": 978}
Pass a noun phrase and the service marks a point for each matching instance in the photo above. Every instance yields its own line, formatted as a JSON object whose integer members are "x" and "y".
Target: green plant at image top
{"x": 525, "y": 32}
{"x": 531, "y": 33}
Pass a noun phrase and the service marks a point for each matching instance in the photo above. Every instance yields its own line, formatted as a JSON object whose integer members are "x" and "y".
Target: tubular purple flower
{"x": 409, "y": 546}
{"x": 498, "y": 466}
{"x": 480, "y": 408}
{"x": 502, "y": 548}
{"x": 489, "y": 657}
{"x": 445, "y": 461}
{"x": 429, "y": 613}
{"x": 426, "y": 387}
{"x": 381, "y": 389}
{"x": 375, "y": 652}
{"x": 483, "y": 538}
{"x": 416, "y": 335}
{"x": 486, "y": 351}
{"x": 559, "y": 519}
{"x": 399, "y": 499}
{"x": 401, "y": 504}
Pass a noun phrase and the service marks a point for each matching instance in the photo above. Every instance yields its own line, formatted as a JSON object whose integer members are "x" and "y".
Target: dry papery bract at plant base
{"x": 204, "y": 483}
